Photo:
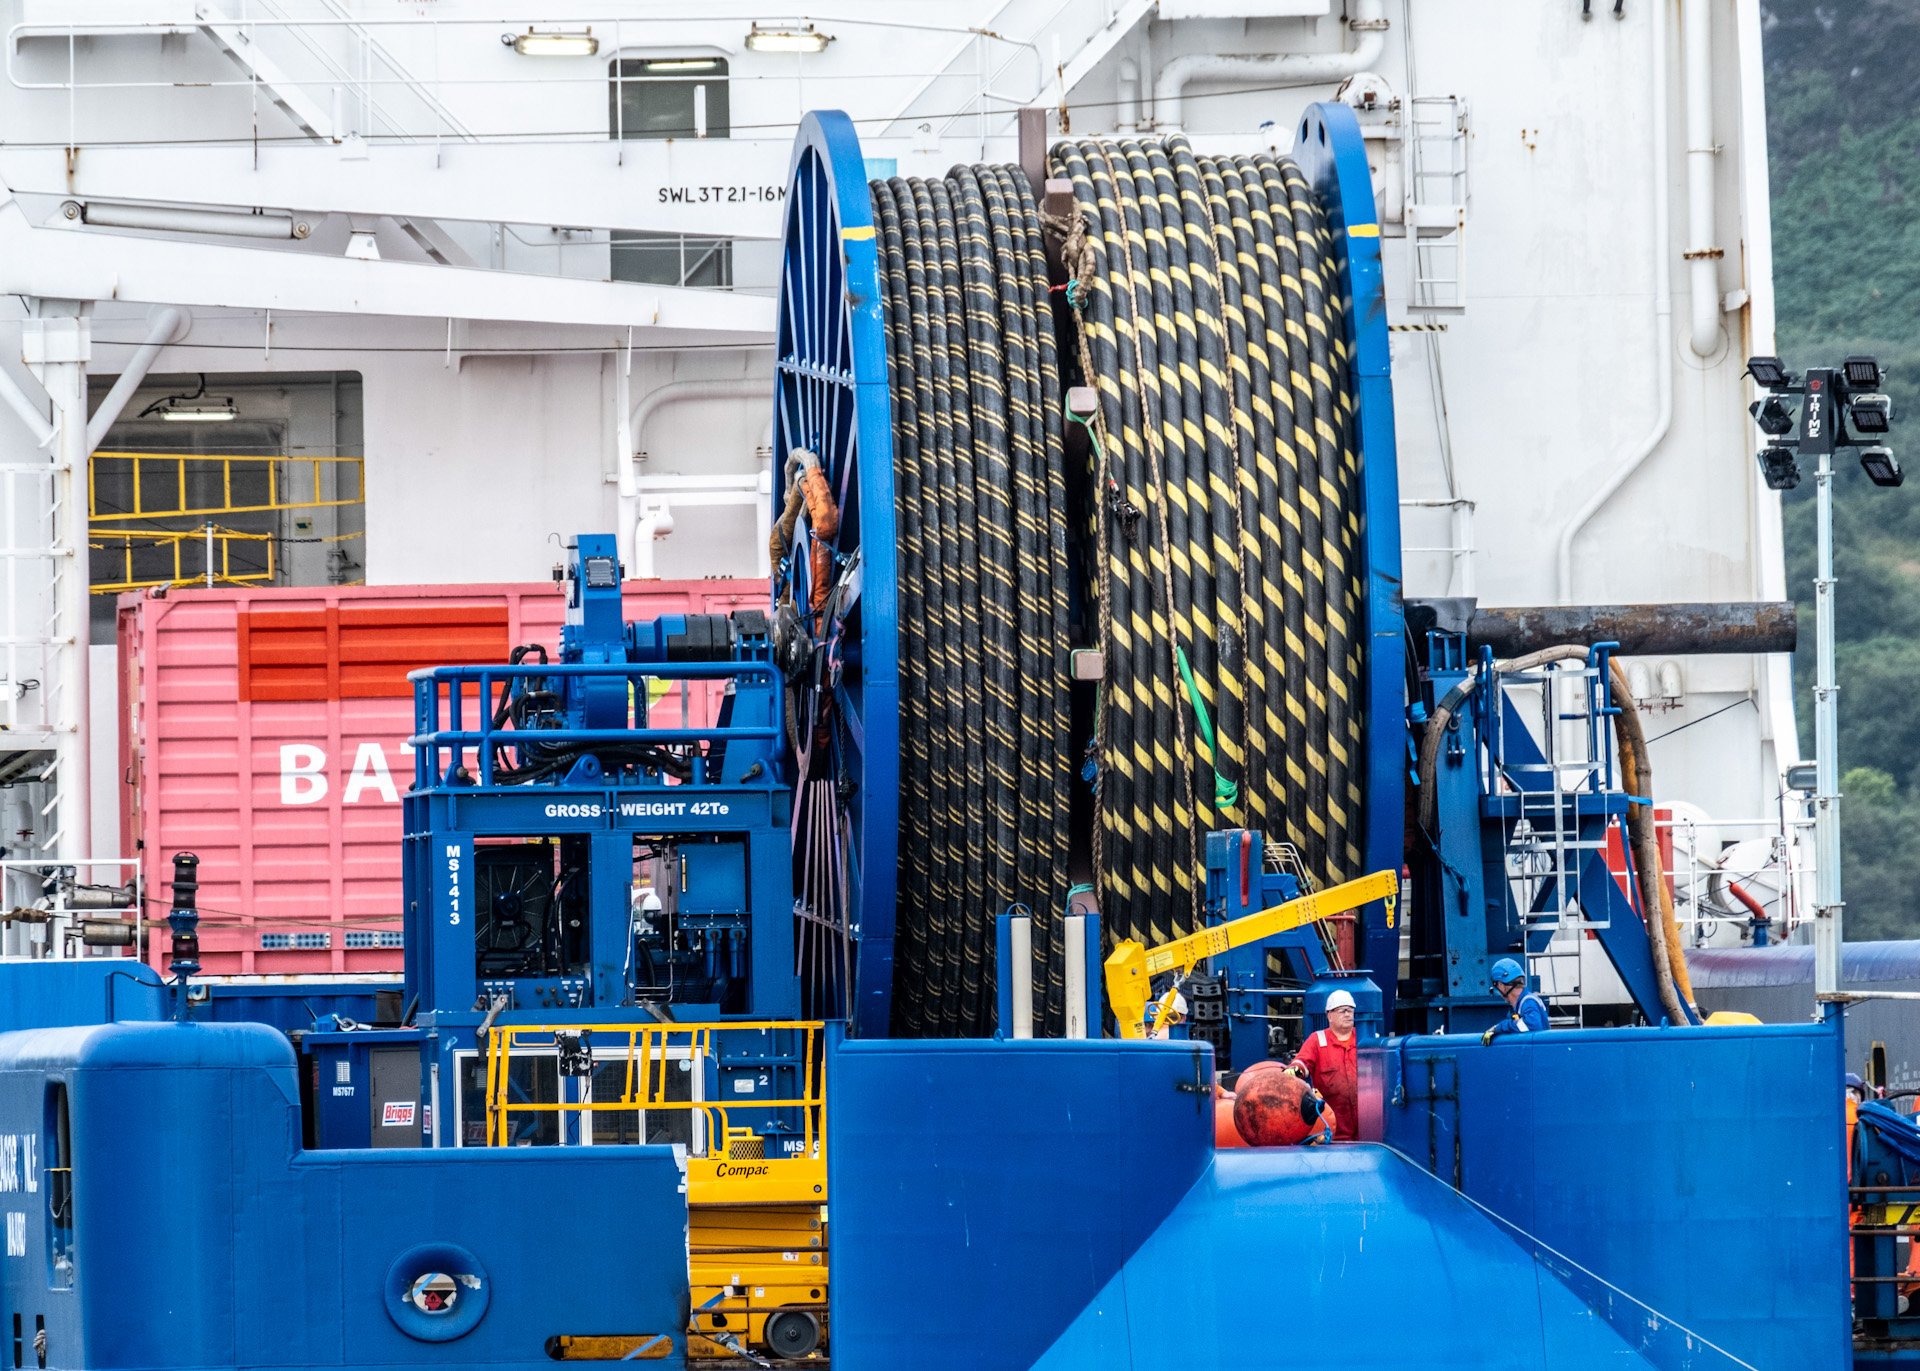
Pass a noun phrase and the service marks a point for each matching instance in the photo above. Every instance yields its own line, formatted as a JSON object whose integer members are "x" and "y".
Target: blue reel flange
{"x": 837, "y": 634}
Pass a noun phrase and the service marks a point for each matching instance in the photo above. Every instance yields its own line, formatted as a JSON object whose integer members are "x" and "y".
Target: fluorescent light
{"x": 200, "y": 414}
{"x": 532, "y": 44}
{"x": 786, "y": 36}
{"x": 175, "y": 219}
{"x": 652, "y": 65}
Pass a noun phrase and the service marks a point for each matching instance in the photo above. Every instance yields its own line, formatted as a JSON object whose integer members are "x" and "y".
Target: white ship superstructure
{"x": 471, "y": 278}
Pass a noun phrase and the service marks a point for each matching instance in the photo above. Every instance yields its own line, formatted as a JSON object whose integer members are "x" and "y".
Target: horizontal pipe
{"x": 1270, "y": 70}
{"x": 1640, "y": 630}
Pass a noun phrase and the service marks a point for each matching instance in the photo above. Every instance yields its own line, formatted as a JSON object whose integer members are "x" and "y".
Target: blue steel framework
{"x": 554, "y": 773}
{"x": 1491, "y": 776}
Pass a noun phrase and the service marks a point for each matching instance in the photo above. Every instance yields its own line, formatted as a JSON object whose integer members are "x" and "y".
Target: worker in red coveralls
{"x": 1329, "y": 1062}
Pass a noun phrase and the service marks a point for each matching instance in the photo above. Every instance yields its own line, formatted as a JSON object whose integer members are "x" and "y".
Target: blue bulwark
{"x": 1333, "y": 155}
{"x": 159, "y": 1214}
{"x": 88, "y": 990}
{"x": 1624, "y": 1154}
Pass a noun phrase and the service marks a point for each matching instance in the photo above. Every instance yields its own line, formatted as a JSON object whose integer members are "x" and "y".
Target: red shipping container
{"x": 265, "y": 730}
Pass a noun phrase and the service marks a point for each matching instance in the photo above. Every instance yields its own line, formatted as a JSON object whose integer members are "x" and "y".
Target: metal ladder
{"x": 1548, "y": 850}
{"x": 29, "y": 656}
{"x": 1436, "y": 202}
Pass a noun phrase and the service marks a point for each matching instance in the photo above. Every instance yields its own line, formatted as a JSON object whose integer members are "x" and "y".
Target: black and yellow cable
{"x": 1209, "y": 543}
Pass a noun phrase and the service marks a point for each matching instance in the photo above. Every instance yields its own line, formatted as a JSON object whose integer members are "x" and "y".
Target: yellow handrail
{"x": 175, "y": 465}
{"x": 650, "y": 1044}
{"x": 124, "y": 543}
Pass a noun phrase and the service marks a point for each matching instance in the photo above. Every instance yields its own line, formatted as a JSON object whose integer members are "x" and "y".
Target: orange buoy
{"x": 1224, "y": 1133}
{"x": 1271, "y": 1108}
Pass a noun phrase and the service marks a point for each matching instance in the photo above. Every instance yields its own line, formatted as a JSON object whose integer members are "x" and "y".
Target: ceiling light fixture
{"x": 193, "y": 407}
{"x": 786, "y": 35}
{"x": 219, "y": 412}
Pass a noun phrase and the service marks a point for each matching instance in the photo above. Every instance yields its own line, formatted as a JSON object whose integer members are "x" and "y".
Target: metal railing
{"x": 443, "y": 738}
{"x": 178, "y": 470}
{"x": 171, "y": 550}
{"x": 137, "y": 551}
{"x": 344, "y": 69}
{"x": 648, "y": 1049}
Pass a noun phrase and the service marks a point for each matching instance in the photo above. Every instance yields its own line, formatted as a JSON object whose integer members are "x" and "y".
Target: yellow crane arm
{"x": 1132, "y": 967}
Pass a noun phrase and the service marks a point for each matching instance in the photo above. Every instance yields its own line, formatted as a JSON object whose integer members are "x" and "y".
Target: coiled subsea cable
{"x": 981, "y": 511}
{"x": 1223, "y": 482}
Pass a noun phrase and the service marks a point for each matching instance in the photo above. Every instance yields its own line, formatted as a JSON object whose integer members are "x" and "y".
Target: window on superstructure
{"x": 670, "y": 97}
{"x": 58, "y": 1151}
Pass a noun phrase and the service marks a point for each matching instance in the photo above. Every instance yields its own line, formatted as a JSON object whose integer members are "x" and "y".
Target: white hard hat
{"x": 1339, "y": 999}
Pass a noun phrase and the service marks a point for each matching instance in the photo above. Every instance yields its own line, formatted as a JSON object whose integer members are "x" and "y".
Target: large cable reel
{"x": 1206, "y": 521}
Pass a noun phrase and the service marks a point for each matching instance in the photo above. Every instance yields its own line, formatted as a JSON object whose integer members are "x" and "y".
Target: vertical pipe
{"x": 763, "y": 514}
{"x": 623, "y": 456}
{"x": 1075, "y": 947}
{"x": 1702, "y": 254}
{"x": 1020, "y": 973}
{"x": 1462, "y": 517}
{"x": 66, "y": 383}
{"x": 1827, "y": 905}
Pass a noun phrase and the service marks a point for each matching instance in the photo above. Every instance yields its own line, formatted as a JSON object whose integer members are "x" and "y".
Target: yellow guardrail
{"x": 733, "y": 1168}
{"x": 123, "y": 545}
{"x": 170, "y": 473}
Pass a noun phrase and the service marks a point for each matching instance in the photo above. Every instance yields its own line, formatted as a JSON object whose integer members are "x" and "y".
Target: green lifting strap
{"x": 1225, "y": 793}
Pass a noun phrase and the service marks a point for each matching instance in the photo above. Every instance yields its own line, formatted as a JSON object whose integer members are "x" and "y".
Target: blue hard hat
{"x": 1506, "y": 970}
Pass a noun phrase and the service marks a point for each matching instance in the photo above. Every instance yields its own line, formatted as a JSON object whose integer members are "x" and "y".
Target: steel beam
{"x": 83, "y": 265}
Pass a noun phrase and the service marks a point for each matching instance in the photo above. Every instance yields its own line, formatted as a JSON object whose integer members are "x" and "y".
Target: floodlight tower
{"x": 1840, "y": 407}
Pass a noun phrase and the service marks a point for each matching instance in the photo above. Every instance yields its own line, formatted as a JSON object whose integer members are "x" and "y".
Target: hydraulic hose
{"x": 1636, "y": 775}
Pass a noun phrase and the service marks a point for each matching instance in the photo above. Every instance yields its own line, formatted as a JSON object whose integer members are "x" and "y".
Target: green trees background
{"x": 1843, "y": 131}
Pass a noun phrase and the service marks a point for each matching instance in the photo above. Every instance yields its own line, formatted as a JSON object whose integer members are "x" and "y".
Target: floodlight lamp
{"x": 1803, "y": 776}
{"x": 782, "y": 35}
{"x": 1863, "y": 373}
{"x": 1882, "y": 467}
{"x": 554, "y": 44}
{"x": 1772, "y": 415}
{"x": 1768, "y": 372}
{"x": 1870, "y": 414}
{"x": 1778, "y": 467}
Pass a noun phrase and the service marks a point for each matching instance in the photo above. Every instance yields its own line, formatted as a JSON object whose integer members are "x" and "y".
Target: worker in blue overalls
{"x": 1526, "y": 1011}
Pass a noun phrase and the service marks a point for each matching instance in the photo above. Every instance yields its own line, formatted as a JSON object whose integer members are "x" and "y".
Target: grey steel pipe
{"x": 1640, "y": 630}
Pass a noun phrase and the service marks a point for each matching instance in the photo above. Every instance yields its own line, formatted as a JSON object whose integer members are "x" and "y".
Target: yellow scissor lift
{"x": 757, "y": 1223}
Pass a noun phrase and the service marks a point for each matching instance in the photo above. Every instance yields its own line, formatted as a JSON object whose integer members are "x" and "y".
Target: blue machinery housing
{"x": 193, "y": 1195}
